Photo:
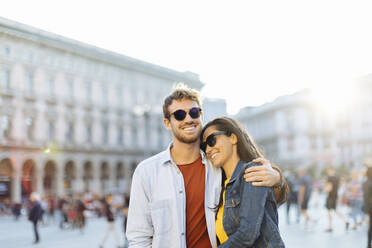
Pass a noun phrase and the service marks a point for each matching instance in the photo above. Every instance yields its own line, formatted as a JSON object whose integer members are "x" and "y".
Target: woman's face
{"x": 222, "y": 150}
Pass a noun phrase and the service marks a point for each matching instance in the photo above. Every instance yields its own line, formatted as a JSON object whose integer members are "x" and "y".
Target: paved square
{"x": 20, "y": 235}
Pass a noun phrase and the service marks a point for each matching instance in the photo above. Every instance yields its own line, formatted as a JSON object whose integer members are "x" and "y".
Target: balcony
{"x": 51, "y": 99}
{"x": 70, "y": 102}
{"x": 29, "y": 96}
{"x": 7, "y": 141}
{"x": 88, "y": 105}
{"x": 120, "y": 111}
{"x": 7, "y": 93}
{"x": 104, "y": 108}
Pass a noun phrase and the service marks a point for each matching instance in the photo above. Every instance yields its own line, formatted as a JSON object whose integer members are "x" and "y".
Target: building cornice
{"x": 301, "y": 98}
{"x": 97, "y": 150}
{"x": 59, "y": 42}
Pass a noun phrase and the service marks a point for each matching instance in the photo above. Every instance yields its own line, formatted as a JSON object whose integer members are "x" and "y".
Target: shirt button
{"x": 181, "y": 191}
{"x": 182, "y": 234}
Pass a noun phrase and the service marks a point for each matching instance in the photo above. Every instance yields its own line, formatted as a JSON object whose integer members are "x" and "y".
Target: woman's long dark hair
{"x": 246, "y": 147}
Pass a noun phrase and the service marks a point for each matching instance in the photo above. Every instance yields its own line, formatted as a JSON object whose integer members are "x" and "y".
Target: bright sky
{"x": 248, "y": 52}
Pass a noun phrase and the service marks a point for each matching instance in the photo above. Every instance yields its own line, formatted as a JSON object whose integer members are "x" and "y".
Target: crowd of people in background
{"x": 346, "y": 191}
{"x": 341, "y": 190}
{"x": 70, "y": 212}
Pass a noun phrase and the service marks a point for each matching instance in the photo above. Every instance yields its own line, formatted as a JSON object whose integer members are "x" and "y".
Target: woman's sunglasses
{"x": 180, "y": 114}
{"x": 211, "y": 140}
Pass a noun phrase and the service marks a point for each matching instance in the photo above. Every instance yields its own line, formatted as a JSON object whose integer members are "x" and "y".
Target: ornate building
{"x": 74, "y": 117}
{"x": 294, "y": 130}
{"x": 290, "y": 130}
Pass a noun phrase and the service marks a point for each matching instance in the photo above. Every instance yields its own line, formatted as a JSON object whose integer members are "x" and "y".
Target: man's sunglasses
{"x": 211, "y": 140}
{"x": 180, "y": 114}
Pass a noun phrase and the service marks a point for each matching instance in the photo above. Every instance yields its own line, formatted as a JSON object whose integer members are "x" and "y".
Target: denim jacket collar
{"x": 236, "y": 171}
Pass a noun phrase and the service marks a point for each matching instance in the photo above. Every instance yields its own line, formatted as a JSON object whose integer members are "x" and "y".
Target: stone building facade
{"x": 295, "y": 131}
{"x": 74, "y": 117}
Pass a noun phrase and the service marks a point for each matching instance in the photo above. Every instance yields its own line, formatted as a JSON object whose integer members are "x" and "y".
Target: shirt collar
{"x": 167, "y": 158}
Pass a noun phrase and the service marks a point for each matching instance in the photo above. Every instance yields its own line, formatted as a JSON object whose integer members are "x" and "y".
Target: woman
{"x": 355, "y": 196}
{"x": 246, "y": 215}
{"x": 367, "y": 207}
{"x": 110, "y": 227}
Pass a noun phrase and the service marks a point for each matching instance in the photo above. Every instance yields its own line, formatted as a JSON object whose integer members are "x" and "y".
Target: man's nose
{"x": 188, "y": 118}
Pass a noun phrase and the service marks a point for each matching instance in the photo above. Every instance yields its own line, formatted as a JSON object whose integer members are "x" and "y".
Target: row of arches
{"x": 74, "y": 178}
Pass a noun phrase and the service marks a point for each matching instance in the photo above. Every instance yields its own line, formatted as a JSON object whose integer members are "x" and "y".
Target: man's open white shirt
{"x": 157, "y": 210}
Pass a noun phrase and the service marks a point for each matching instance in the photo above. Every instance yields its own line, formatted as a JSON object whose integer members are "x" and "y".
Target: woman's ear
{"x": 234, "y": 139}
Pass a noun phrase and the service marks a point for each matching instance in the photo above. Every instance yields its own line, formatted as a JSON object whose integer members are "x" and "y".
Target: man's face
{"x": 187, "y": 130}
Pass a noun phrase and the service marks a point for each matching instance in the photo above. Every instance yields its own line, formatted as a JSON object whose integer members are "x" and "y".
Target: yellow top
{"x": 221, "y": 235}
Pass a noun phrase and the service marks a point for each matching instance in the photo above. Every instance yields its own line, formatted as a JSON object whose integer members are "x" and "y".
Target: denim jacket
{"x": 250, "y": 216}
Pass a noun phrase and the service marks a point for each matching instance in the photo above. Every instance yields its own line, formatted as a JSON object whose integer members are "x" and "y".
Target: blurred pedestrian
{"x": 44, "y": 206}
{"x": 332, "y": 186}
{"x": 2, "y": 207}
{"x": 62, "y": 209}
{"x": 16, "y": 210}
{"x": 35, "y": 214}
{"x": 110, "y": 227}
{"x": 5, "y": 207}
{"x": 80, "y": 217}
{"x": 71, "y": 216}
{"x": 125, "y": 218}
{"x": 304, "y": 193}
{"x": 355, "y": 197}
{"x": 367, "y": 206}
{"x": 292, "y": 201}
{"x": 51, "y": 208}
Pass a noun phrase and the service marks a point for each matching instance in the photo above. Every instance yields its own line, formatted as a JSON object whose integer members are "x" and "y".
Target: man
{"x": 62, "y": 203}
{"x": 332, "y": 185}
{"x": 35, "y": 214}
{"x": 174, "y": 192}
{"x": 110, "y": 226}
{"x": 304, "y": 193}
{"x": 79, "y": 209}
{"x": 292, "y": 200}
{"x": 16, "y": 210}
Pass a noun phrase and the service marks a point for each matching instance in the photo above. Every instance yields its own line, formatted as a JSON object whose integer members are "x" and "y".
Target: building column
{"x": 127, "y": 175}
{"x": 110, "y": 181}
{"x": 16, "y": 189}
{"x": 78, "y": 184}
{"x": 95, "y": 184}
{"x": 39, "y": 177}
{"x": 59, "y": 181}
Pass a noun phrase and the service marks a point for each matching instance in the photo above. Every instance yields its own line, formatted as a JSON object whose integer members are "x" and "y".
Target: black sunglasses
{"x": 211, "y": 140}
{"x": 180, "y": 114}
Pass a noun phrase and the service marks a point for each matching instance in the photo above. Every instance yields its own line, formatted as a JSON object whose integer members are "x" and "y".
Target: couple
{"x": 182, "y": 197}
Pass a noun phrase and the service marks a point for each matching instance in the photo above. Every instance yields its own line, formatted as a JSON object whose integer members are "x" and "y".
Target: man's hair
{"x": 180, "y": 92}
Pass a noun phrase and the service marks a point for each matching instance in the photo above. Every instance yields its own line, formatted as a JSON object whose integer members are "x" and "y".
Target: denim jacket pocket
{"x": 160, "y": 215}
{"x": 232, "y": 207}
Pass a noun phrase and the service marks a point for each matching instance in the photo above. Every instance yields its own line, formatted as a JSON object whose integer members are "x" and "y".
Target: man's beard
{"x": 187, "y": 140}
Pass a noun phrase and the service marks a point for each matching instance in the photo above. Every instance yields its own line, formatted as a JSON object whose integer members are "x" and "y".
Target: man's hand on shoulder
{"x": 262, "y": 175}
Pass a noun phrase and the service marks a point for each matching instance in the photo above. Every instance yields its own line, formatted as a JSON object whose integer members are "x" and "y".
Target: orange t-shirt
{"x": 196, "y": 225}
